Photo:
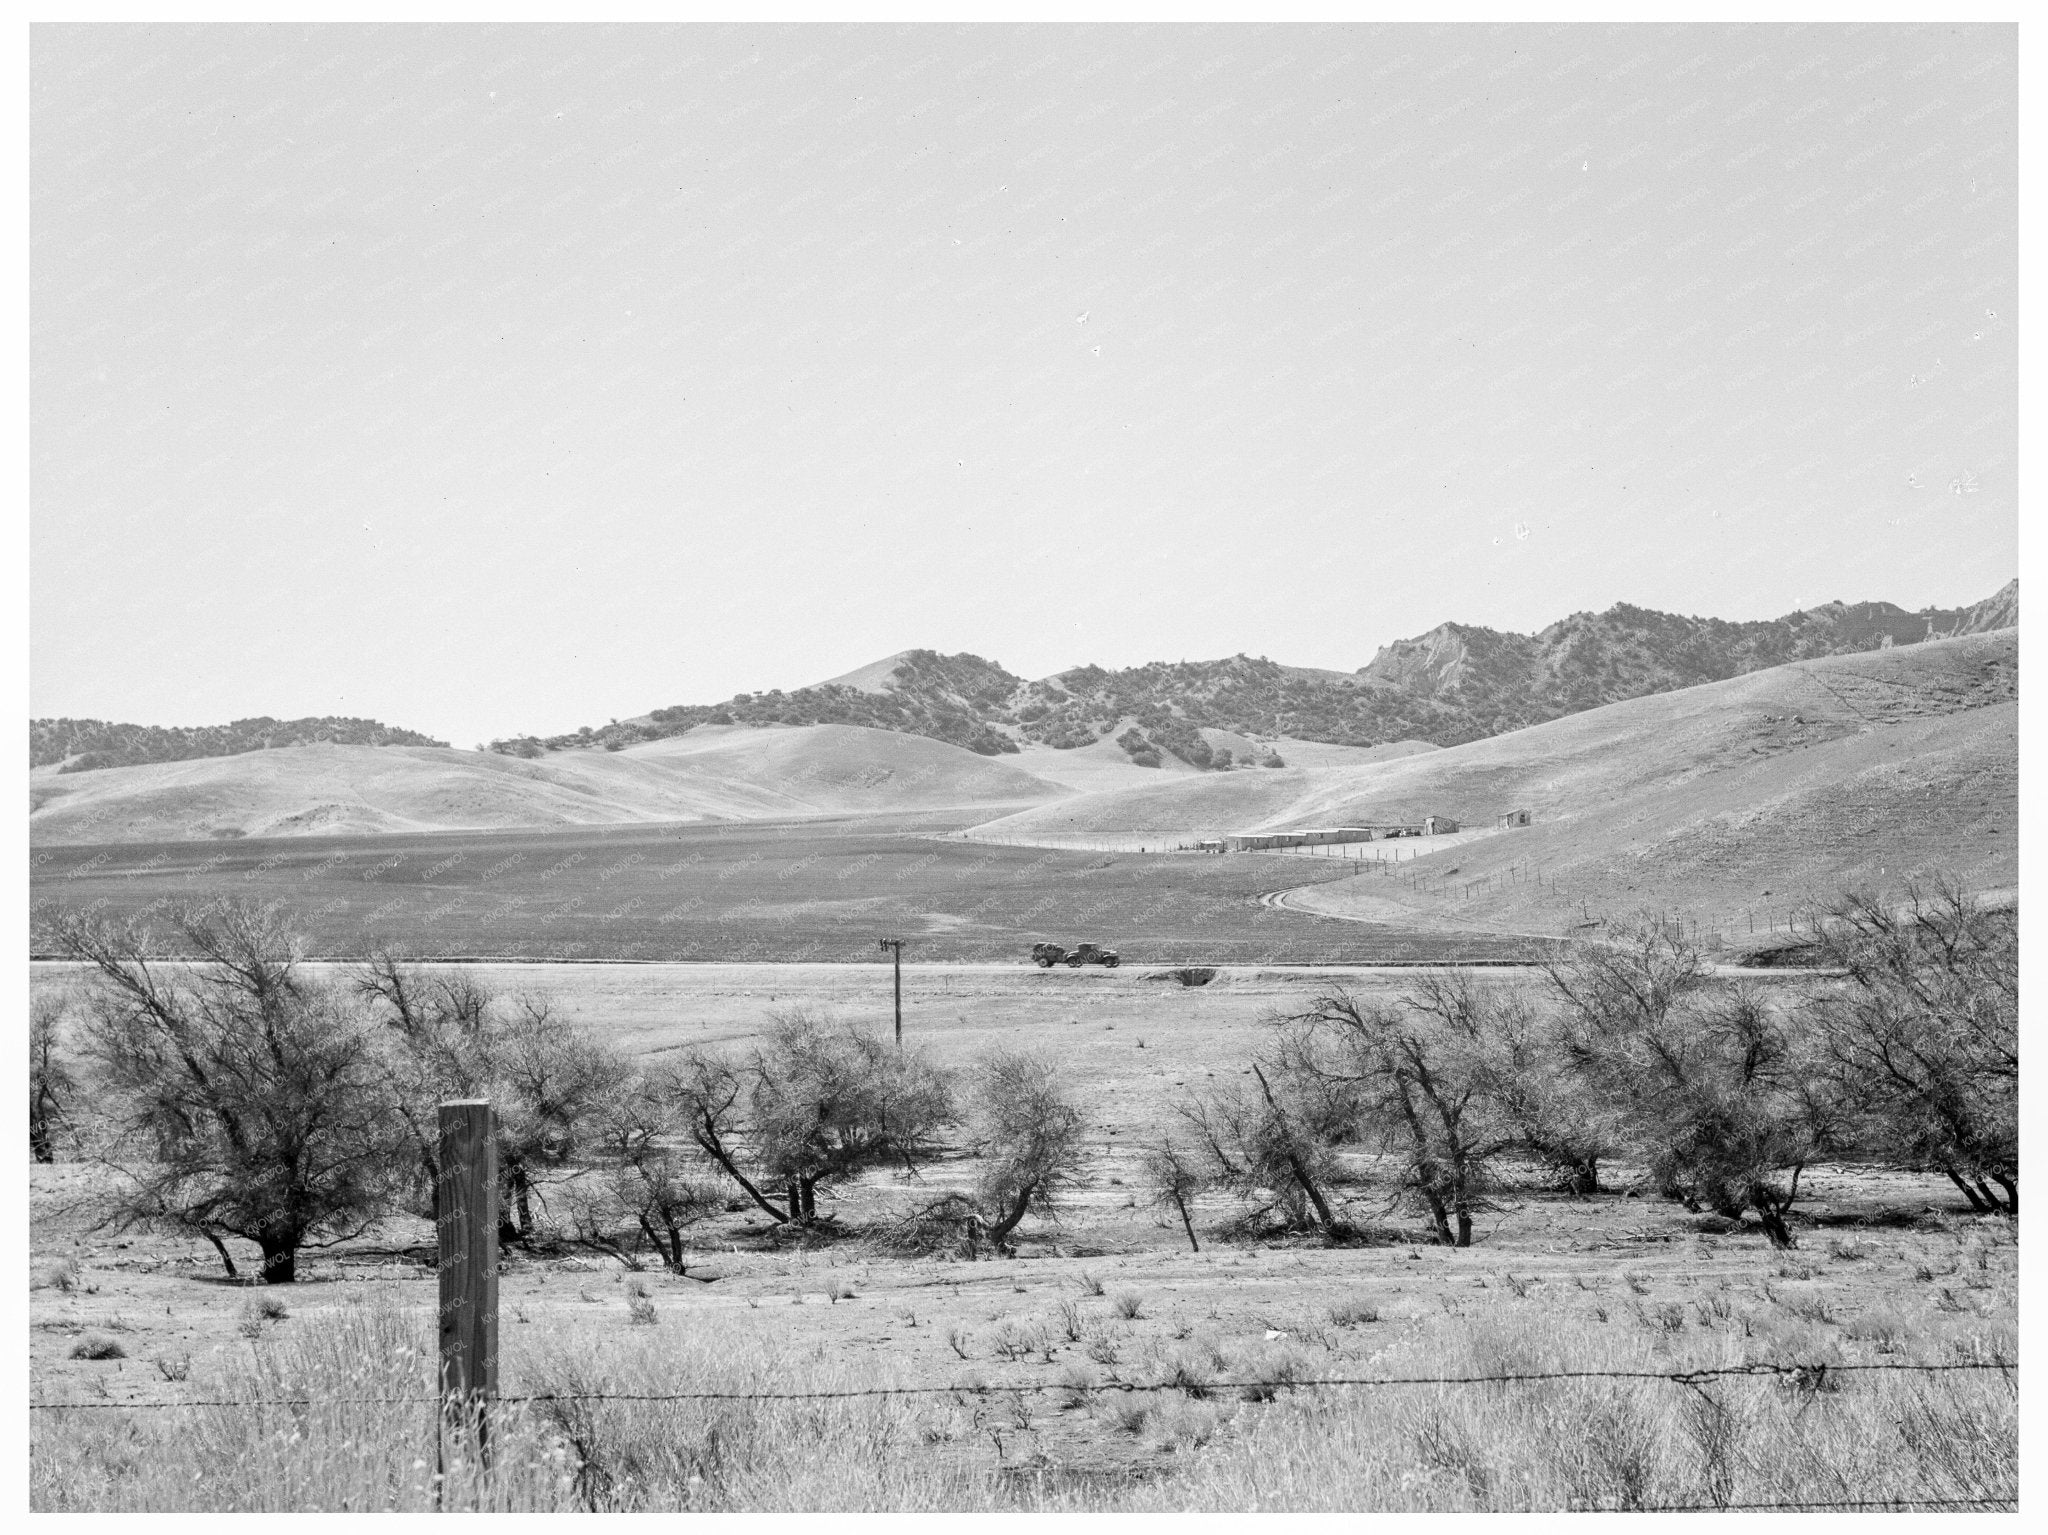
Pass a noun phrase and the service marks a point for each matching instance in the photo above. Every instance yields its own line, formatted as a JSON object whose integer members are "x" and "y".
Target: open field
{"x": 1889, "y": 1270}
{"x": 801, "y": 890}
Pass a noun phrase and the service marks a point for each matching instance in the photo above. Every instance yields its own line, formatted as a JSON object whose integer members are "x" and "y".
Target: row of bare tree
{"x": 234, "y": 1093}
{"x": 1905, "y": 1055}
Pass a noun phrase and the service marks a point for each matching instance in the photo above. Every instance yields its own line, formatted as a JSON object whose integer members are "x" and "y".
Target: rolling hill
{"x": 1455, "y": 684}
{"x": 731, "y": 773}
{"x": 1726, "y": 797}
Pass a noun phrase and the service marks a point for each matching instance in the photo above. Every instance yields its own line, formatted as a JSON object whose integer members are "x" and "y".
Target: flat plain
{"x": 819, "y": 889}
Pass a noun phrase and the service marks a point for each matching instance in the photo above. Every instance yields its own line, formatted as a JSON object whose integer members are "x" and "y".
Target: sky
{"x": 499, "y": 380}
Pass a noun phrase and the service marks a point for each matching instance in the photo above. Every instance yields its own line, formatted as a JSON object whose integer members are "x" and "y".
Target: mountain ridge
{"x": 1453, "y": 684}
{"x": 83, "y": 745}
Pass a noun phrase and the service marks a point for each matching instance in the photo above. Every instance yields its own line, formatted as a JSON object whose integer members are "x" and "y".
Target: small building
{"x": 1513, "y": 818}
{"x": 1320, "y": 836}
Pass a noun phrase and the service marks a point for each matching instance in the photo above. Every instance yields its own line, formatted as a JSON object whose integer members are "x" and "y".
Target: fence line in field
{"x": 1807, "y": 1376}
{"x": 1810, "y": 1377}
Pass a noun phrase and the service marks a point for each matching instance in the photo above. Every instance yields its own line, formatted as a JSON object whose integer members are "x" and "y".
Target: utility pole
{"x": 896, "y": 945}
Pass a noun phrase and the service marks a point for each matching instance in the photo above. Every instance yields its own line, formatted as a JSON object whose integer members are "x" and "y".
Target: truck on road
{"x": 1046, "y": 955}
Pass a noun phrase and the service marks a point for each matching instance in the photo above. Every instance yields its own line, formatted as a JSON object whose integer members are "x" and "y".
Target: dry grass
{"x": 1230, "y": 1332}
{"x": 1264, "y": 1442}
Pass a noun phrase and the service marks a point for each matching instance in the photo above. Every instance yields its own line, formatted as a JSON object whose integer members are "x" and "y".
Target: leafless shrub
{"x": 1014, "y": 1343}
{"x": 1077, "y": 1386}
{"x": 174, "y": 1368}
{"x": 1130, "y": 1414}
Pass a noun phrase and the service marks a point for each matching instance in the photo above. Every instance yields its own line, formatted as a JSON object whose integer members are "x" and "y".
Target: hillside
{"x": 1733, "y": 796}
{"x": 716, "y": 774}
{"x": 81, "y": 746}
{"x": 955, "y": 699}
{"x": 1502, "y": 682}
{"x": 1455, "y": 684}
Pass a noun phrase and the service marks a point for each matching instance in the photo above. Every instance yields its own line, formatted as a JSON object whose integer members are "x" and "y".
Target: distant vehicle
{"x": 1049, "y": 954}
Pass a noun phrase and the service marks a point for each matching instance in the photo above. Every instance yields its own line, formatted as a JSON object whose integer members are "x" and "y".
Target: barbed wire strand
{"x": 1809, "y": 1375}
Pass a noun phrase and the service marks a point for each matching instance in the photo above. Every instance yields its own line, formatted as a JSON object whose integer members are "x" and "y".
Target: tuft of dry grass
{"x": 98, "y": 1345}
{"x": 1580, "y": 1444}
{"x": 57, "y": 1274}
{"x": 640, "y": 1311}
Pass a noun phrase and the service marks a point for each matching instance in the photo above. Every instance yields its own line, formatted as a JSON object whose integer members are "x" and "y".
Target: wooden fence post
{"x": 469, "y": 1273}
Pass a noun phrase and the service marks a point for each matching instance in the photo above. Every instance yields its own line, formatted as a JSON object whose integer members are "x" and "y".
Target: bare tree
{"x": 1522, "y": 1071}
{"x": 1175, "y": 1178}
{"x": 547, "y": 1078}
{"x": 1715, "y": 1087}
{"x": 441, "y": 1021}
{"x": 1413, "y": 1079}
{"x": 815, "y": 1105}
{"x": 1277, "y": 1158}
{"x": 50, "y": 1082}
{"x": 551, "y": 1082}
{"x": 710, "y": 1094}
{"x": 1923, "y": 1035}
{"x": 641, "y": 1181}
{"x": 828, "y": 1101}
{"x": 235, "y": 1096}
{"x": 1027, "y": 1133}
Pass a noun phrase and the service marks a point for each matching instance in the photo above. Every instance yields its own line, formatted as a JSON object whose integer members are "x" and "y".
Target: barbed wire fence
{"x": 1805, "y": 1377}
{"x": 1809, "y": 1377}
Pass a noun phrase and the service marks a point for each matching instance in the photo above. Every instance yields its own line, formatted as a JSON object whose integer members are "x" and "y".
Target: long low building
{"x": 1313, "y": 836}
